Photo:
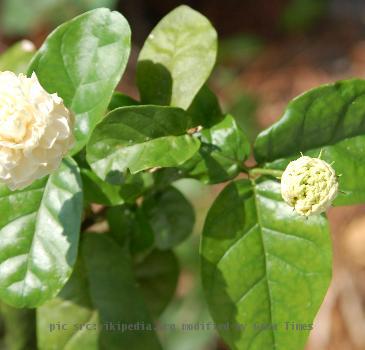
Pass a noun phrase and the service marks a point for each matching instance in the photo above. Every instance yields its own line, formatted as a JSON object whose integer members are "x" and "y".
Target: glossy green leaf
{"x": 171, "y": 217}
{"x": 263, "y": 265}
{"x": 17, "y": 57}
{"x": 332, "y": 118}
{"x": 205, "y": 110}
{"x": 224, "y": 148}
{"x": 138, "y": 138}
{"x": 113, "y": 291}
{"x": 68, "y": 322}
{"x": 121, "y": 100}
{"x": 39, "y": 227}
{"x": 102, "y": 192}
{"x": 178, "y": 57}
{"x": 83, "y": 61}
{"x": 157, "y": 277}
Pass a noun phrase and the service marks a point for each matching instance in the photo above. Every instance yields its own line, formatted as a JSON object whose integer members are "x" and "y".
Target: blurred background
{"x": 270, "y": 51}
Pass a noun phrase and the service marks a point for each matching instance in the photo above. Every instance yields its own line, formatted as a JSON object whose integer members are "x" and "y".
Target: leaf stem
{"x": 263, "y": 171}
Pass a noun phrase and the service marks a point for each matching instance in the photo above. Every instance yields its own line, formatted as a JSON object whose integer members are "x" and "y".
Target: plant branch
{"x": 263, "y": 171}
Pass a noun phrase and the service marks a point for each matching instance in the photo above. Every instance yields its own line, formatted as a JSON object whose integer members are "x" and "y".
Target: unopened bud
{"x": 309, "y": 185}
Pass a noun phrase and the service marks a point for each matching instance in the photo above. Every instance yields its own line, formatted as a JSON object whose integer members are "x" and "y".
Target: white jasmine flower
{"x": 35, "y": 130}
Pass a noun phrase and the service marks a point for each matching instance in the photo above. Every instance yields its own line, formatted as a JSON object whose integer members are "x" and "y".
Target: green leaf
{"x": 121, "y": 100}
{"x": 165, "y": 177}
{"x": 39, "y": 226}
{"x": 61, "y": 322}
{"x": 139, "y": 138}
{"x": 263, "y": 264}
{"x": 178, "y": 57}
{"x": 171, "y": 217}
{"x": 113, "y": 291}
{"x": 102, "y": 294}
{"x": 83, "y": 61}
{"x": 99, "y": 191}
{"x": 20, "y": 331}
{"x": 129, "y": 225}
{"x": 224, "y": 148}
{"x": 150, "y": 75}
{"x": 102, "y": 192}
{"x": 205, "y": 109}
{"x": 17, "y": 57}
{"x": 157, "y": 276}
{"x": 332, "y": 118}
{"x": 121, "y": 223}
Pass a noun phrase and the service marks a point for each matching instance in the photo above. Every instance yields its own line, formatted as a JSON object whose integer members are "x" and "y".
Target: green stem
{"x": 244, "y": 169}
{"x": 263, "y": 171}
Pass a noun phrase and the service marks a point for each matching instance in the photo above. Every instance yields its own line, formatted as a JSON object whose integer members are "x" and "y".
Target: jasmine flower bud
{"x": 309, "y": 185}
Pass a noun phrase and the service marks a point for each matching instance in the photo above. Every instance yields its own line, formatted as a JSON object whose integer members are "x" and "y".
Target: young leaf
{"x": 83, "y": 61}
{"x": 171, "y": 217}
{"x": 329, "y": 118}
{"x": 224, "y": 148}
{"x": 39, "y": 226}
{"x": 157, "y": 277}
{"x": 178, "y": 57}
{"x": 138, "y": 138}
{"x": 263, "y": 267}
